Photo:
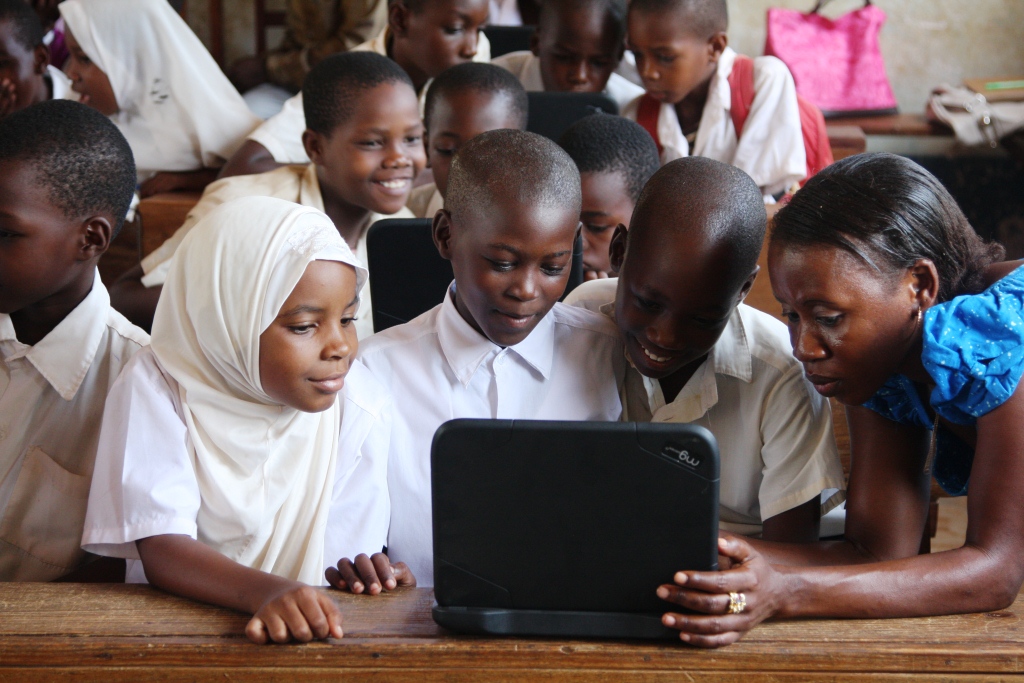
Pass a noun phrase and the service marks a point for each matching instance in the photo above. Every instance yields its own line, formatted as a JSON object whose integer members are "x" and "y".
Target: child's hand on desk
{"x": 370, "y": 574}
{"x": 298, "y": 612}
{"x": 732, "y": 600}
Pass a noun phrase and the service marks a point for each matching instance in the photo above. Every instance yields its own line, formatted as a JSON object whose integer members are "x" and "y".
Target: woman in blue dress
{"x": 901, "y": 312}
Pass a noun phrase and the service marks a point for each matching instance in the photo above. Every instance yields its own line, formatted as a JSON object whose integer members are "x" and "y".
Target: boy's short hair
{"x": 80, "y": 157}
{"x": 28, "y": 30}
{"x": 704, "y": 17}
{"x": 333, "y": 87}
{"x": 721, "y": 199}
{"x": 616, "y": 9}
{"x": 486, "y": 78}
{"x": 601, "y": 143}
{"x": 531, "y": 168}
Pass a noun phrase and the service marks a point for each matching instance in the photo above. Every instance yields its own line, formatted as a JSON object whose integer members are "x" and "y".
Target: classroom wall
{"x": 925, "y": 42}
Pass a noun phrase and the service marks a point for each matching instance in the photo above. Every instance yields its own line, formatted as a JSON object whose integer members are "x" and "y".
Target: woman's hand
{"x": 750, "y": 577}
{"x": 299, "y": 612}
{"x": 370, "y": 574}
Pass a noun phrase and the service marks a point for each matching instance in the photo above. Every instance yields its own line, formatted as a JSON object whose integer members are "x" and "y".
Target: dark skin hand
{"x": 184, "y": 181}
{"x": 370, "y": 574}
{"x": 133, "y": 300}
{"x": 282, "y": 609}
{"x": 251, "y": 158}
{"x": 879, "y": 574}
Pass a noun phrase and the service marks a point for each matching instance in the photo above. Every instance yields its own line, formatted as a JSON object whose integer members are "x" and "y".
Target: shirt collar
{"x": 64, "y": 356}
{"x": 309, "y": 189}
{"x": 532, "y": 79}
{"x": 465, "y": 349}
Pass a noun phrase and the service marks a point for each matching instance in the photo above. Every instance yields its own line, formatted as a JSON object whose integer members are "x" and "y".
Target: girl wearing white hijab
{"x": 139, "y": 62}
{"x": 246, "y": 449}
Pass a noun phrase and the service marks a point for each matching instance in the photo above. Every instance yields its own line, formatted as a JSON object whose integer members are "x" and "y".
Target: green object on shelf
{"x": 1004, "y": 85}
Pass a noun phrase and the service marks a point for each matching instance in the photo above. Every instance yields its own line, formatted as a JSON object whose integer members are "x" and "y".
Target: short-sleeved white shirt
{"x": 145, "y": 481}
{"x": 52, "y": 399}
{"x": 774, "y": 430}
{"x": 439, "y": 368}
{"x": 770, "y": 148}
{"x": 525, "y": 66}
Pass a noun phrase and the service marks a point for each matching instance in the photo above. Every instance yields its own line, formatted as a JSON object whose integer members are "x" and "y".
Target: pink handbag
{"x": 836, "y": 64}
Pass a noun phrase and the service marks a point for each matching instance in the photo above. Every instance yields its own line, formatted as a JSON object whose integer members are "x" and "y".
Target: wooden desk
{"x": 161, "y": 215}
{"x": 90, "y": 632}
{"x": 896, "y": 124}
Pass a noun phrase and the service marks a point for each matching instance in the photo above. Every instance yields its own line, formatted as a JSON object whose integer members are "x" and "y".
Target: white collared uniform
{"x": 60, "y": 84}
{"x": 297, "y": 184}
{"x": 439, "y": 368}
{"x": 771, "y": 147}
{"x": 146, "y": 485}
{"x": 281, "y": 134}
{"x": 51, "y": 403}
{"x": 774, "y": 430}
{"x": 525, "y": 66}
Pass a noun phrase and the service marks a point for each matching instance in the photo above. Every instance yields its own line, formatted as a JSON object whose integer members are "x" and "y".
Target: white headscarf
{"x": 265, "y": 471}
{"x": 178, "y": 110}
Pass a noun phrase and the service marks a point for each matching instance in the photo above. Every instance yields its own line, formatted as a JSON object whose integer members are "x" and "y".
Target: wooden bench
{"x": 93, "y": 632}
{"x": 161, "y": 215}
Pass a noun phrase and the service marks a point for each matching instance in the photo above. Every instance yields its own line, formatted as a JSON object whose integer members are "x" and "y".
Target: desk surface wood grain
{"x": 93, "y": 632}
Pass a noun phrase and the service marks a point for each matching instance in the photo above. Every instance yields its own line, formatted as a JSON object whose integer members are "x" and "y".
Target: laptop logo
{"x": 681, "y": 455}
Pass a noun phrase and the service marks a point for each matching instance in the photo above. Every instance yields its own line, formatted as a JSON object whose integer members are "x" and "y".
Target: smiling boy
{"x": 66, "y": 180}
{"x": 576, "y": 48}
{"x": 424, "y": 37}
{"x": 365, "y": 138}
{"x": 699, "y": 355}
{"x": 500, "y": 345}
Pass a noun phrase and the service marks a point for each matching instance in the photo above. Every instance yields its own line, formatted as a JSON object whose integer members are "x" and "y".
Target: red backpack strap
{"x": 741, "y": 85}
{"x": 647, "y": 116}
{"x": 816, "y": 143}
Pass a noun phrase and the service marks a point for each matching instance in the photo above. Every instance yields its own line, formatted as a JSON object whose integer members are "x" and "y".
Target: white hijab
{"x": 178, "y": 110}
{"x": 265, "y": 471}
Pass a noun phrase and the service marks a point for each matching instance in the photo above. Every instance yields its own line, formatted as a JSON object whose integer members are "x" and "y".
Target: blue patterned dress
{"x": 973, "y": 349}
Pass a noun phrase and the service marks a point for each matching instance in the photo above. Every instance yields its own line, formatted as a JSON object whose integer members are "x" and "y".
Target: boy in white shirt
{"x": 699, "y": 355}
{"x": 500, "y": 346}
{"x": 366, "y": 141}
{"x": 684, "y": 60}
{"x": 66, "y": 180}
{"x": 424, "y": 38}
{"x": 26, "y": 75}
{"x": 463, "y": 102}
{"x": 576, "y": 48}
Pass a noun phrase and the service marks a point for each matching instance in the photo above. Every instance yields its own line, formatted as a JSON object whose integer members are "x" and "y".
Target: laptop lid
{"x": 570, "y": 516}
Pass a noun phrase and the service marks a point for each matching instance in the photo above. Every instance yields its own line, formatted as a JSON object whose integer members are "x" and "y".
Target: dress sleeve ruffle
{"x": 974, "y": 349}
{"x": 898, "y": 401}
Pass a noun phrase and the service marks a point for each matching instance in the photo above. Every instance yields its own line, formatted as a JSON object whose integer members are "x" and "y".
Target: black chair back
{"x": 407, "y": 275}
{"x": 505, "y": 39}
{"x": 551, "y": 113}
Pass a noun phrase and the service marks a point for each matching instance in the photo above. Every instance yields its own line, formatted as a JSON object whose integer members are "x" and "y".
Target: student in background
{"x": 615, "y": 157}
{"x": 366, "y": 141}
{"x": 66, "y": 180}
{"x": 683, "y": 57}
{"x": 247, "y": 447}
{"x": 463, "y": 102}
{"x": 500, "y": 345}
{"x": 26, "y": 76}
{"x": 423, "y": 37}
{"x": 577, "y": 47}
{"x": 698, "y": 355}
{"x": 138, "y": 62}
{"x": 899, "y": 310}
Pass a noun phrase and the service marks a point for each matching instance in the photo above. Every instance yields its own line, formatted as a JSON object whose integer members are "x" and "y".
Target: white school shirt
{"x": 51, "y": 403}
{"x": 774, "y": 430}
{"x": 145, "y": 482}
{"x": 525, "y": 66}
{"x": 281, "y": 134}
{"x": 60, "y": 84}
{"x": 425, "y": 201}
{"x": 297, "y": 184}
{"x": 504, "y": 13}
{"x": 439, "y": 368}
{"x": 771, "y": 147}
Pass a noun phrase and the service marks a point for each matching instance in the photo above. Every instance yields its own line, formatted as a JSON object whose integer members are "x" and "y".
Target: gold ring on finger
{"x": 737, "y": 603}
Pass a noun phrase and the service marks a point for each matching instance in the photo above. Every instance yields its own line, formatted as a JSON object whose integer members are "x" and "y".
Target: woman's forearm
{"x": 819, "y": 554}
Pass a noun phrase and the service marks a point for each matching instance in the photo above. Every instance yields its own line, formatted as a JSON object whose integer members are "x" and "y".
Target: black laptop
{"x": 568, "y": 528}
